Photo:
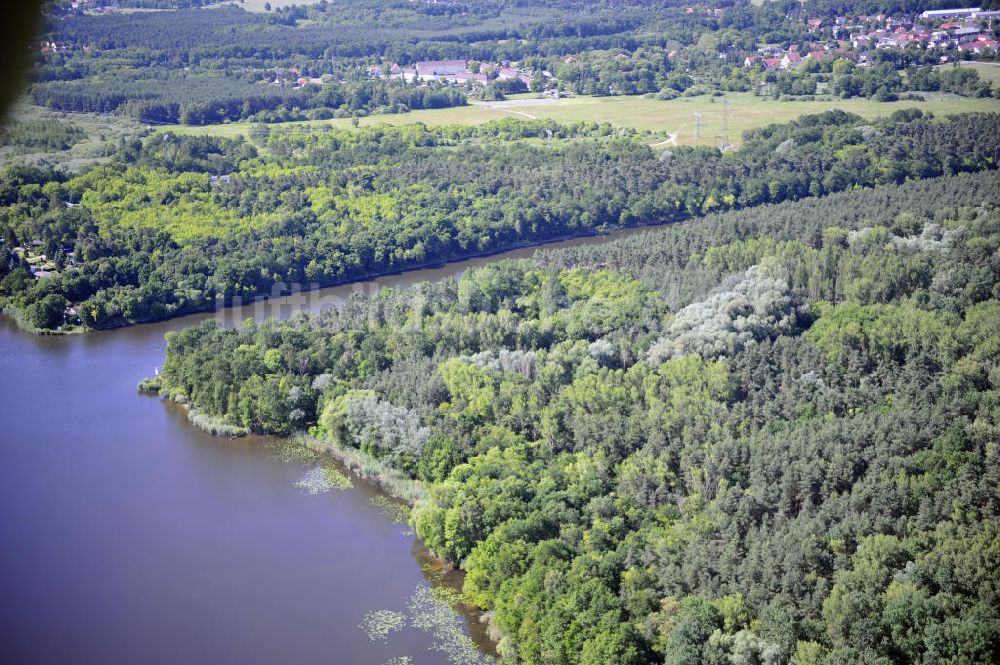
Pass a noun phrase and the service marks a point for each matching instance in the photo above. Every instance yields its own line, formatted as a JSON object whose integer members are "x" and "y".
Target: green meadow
{"x": 719, "y": 119}
{"x": 989, "y": 71}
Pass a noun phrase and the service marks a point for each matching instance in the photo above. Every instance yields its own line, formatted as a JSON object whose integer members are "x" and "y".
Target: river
{"x": 128, "y": 536}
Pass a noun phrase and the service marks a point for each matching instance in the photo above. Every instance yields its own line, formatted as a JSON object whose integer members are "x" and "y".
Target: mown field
{"x": 674, "y": 117}
{"x": 989, "y": 71}
{"x": 258, "y": 5}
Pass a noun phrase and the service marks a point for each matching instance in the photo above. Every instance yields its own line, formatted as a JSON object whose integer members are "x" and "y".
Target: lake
{"x": 129, "y": 536}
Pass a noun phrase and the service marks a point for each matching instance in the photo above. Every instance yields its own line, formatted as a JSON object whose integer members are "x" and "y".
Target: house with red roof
{"x": 790, "y": 60}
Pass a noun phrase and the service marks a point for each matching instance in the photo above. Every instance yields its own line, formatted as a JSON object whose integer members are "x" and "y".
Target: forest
{"x": 211, "y": 99}
{"x": 762, "y": 429}
{"x": 207, "y": 65}
{"x": 766, "y": 435}
{"x": 174, "y": 225}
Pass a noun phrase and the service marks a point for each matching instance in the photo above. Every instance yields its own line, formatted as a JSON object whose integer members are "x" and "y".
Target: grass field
{"x": 674, "y": 117}
{"x": 258, "y": 5}
{"x": 989, "y": 71}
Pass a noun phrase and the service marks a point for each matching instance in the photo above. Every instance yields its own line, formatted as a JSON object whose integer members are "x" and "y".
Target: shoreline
{"x": 382, "y": 479}
{"x": 369, "y": 471}
{"x": 16, "y": 314}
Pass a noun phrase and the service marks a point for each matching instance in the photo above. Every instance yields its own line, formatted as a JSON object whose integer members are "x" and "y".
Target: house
{"x": 978, "y": 46}
{"x": 814, "y": 24}
{"x": 405, "y": 73}
{"x": 966, "y": 34}
{"x": 506, "y": 73}
{"x": 967, "y": 12}
{"x": 468, "y": 77}
{"x": 772, "y": 63}
{"x": 790, "y": 60}
{"x": 816, "y": 55}
{"x": 750, "y": 61}
{"x": 375, "y": 71}
{"x": 435, "y": 68}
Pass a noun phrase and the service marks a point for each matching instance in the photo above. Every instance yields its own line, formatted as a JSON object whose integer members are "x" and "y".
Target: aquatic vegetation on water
{"x": 321, "y": 479}
{"x": 324, "y": 474}
{"x": 437, "y": 575}
{"x": 381, "y": 474}
{"x": 380, "y": 623}
{"x": 397, "y": 512}
{"x": 150, "y": 385}
{"x": 434, "y": 614}
{"x": 215, "y": 425}
{"x": 289, "y": 452}
{"x": 432, "y": 610}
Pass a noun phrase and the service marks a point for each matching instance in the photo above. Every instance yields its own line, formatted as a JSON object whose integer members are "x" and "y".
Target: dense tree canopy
{"x": 764, "y": 436}
{"x": 200, "y": 65}
{"x": 179, "y": 224}
{"x": 763, "y": 433}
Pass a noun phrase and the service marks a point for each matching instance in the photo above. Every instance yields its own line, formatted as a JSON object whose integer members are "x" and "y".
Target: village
{"x": 458, "y": 71}
{"x": 958, "y": 33}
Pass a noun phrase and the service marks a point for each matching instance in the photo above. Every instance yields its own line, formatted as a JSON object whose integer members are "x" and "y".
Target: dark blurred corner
{"x": 19, "y": 29}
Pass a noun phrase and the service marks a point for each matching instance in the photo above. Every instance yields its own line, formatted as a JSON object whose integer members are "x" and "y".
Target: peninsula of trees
{"x": 765, "y": 436}
{"x": 175, "y": 224}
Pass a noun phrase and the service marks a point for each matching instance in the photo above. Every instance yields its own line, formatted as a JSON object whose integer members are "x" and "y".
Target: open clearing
{"x": 989, "y": 71}
{"x": 101, "y": 136}
{"x": 674, "y": 117}
{"x": 257, "y": 6}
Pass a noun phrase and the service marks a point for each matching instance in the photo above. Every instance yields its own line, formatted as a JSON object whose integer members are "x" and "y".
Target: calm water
{"x": 128, "y": 536}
